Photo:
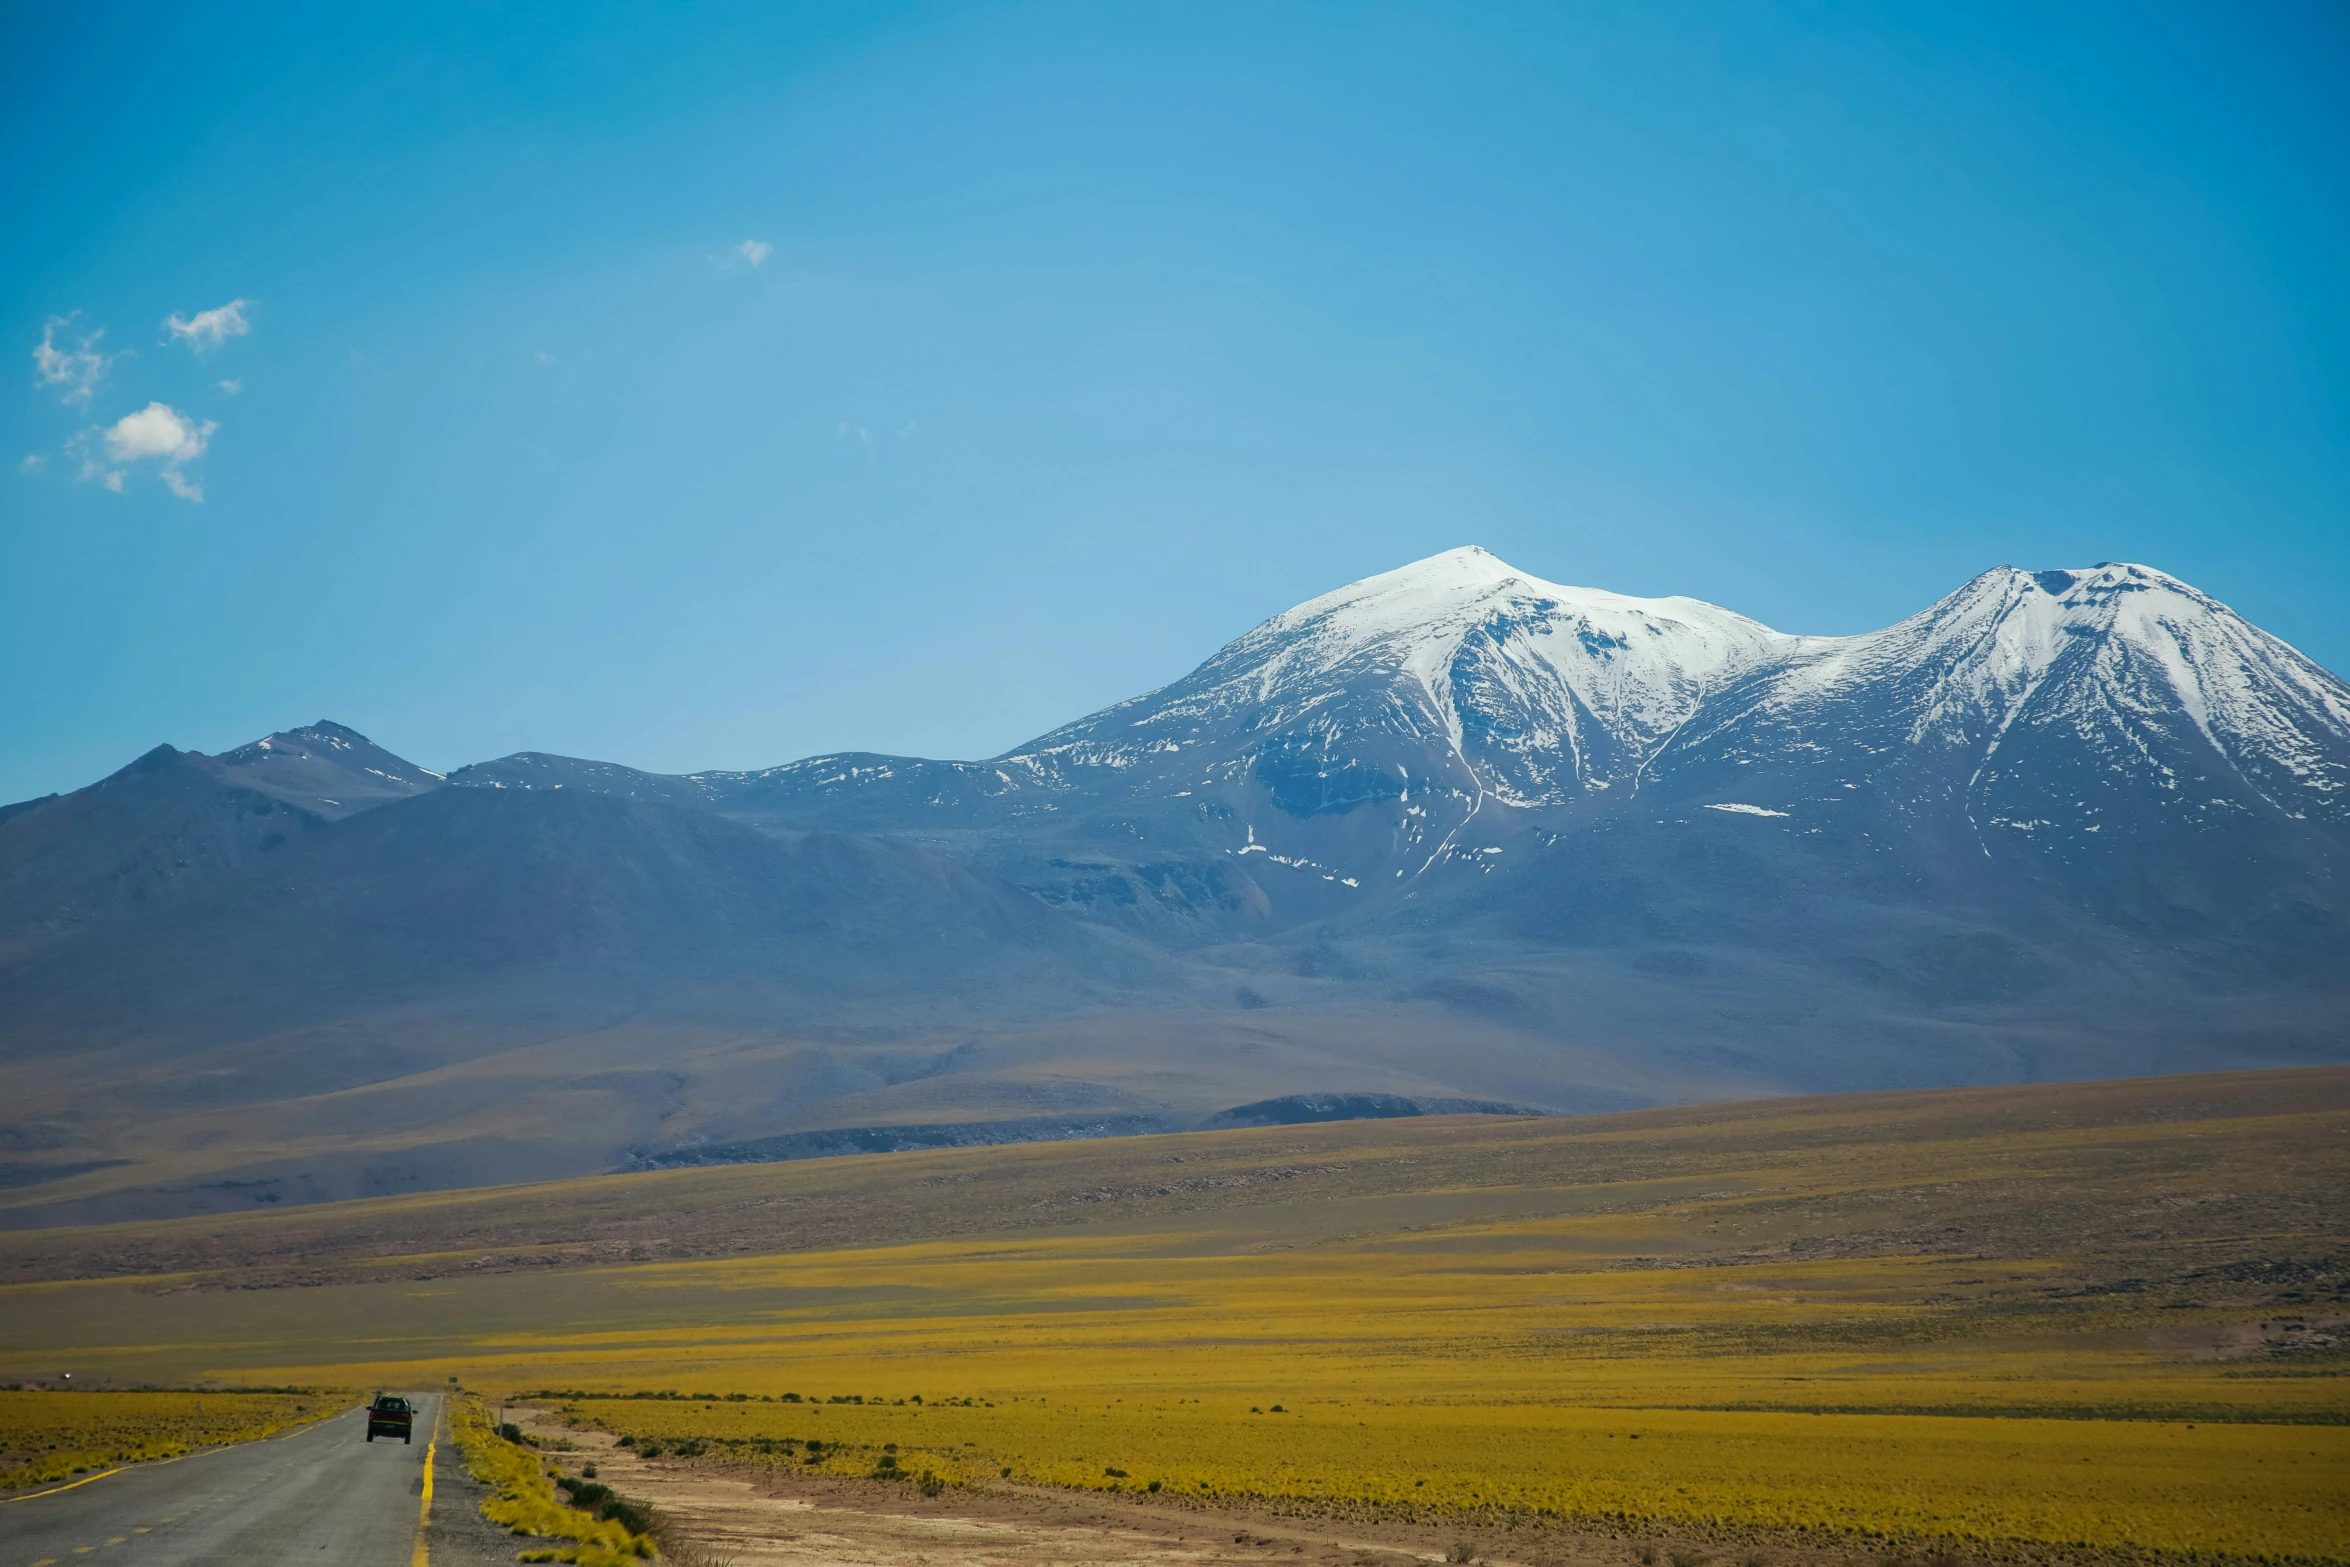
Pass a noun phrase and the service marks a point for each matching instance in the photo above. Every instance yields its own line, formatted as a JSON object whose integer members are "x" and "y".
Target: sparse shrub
{"x": 1687, "y": 1558}
{"x": 1153, "y": 1486}
{"x": 1115, "y": 1474}
{"x": 635, "y": 1517}
{"x": 1460, "y": 1551}
{"x": 931, "y": 1484}
{"x": 586, "y": 1495}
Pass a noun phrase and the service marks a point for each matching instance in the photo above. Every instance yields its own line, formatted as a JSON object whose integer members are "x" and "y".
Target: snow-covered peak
{"x": 2111, "y": 648}
{"x": 2279, "y": 716}
{"x": 1433, "y": 603}
{"x": 1420, "y": 617}
{"x": 1995, "y": 639}
{"x": 1539, "y": 691}
{"x": 1410, "y": 595}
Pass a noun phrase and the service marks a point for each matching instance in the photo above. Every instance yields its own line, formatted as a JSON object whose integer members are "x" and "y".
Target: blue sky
{"x": 1072, "y": 340}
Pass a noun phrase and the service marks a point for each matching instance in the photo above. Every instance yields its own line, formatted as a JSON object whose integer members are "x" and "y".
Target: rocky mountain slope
{"x": 1449, "y": 833}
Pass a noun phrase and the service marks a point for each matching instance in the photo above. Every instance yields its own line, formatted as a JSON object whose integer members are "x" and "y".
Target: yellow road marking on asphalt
{"x": 421, "y": 1557}
{"x": 53, "y": 1490}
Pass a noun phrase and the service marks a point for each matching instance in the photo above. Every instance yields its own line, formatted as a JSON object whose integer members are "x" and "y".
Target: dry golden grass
{"x": 2243, "y": 1489}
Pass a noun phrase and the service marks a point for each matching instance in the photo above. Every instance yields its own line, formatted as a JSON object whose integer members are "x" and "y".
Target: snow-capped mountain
{"x": 1426, "y": 719}
{"x": 1535, "y": 694}
{"x": 1452, "y": 832}
{"x": 1458, "y": 716}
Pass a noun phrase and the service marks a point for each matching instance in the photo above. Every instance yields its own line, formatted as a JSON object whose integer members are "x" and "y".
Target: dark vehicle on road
{"x": 391, "y": 1415}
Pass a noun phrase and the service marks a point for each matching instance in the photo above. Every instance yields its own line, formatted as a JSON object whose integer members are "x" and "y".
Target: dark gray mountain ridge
{"x": 1448, "y": 834}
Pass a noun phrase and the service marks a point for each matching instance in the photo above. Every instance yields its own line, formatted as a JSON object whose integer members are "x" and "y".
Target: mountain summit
{"x": 1451, "y": 834}
{"x": 1499, "y": 681}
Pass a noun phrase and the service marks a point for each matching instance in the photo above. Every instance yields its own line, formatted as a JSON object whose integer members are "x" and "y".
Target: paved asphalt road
{"x": 322, "y": 1494}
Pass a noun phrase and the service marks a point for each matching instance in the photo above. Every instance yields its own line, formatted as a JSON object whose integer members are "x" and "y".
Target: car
{"x": 391, "y": 1415}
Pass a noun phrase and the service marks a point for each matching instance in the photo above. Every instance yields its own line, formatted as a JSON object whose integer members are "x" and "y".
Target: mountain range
{"x": 1452, "y": 836}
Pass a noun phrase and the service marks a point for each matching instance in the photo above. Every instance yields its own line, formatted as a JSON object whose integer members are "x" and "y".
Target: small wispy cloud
{"x": 232, "y": 387}
{"x": 206, "y": 330}
{"x": 156, "y": 433}
{"x": 754, "y": 250}
{"x": 864, "y": 435}
{"x": 34, "y": 462}
{"x": 77, "y": 367}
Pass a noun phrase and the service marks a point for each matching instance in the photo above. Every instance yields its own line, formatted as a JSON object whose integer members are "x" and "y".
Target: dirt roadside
{"x": 753, "y": 1516}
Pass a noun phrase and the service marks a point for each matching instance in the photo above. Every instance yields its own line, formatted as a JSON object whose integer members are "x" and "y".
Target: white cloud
{"x": 157, "y": 430}
{"x": 160, "y": 433}
{"x": 206, "y": 330}
{"x": 78, "y": 369}
{"x": 232, "y": 387}
{"x": 34, "y": 462}
{"x": 754, "y": 250}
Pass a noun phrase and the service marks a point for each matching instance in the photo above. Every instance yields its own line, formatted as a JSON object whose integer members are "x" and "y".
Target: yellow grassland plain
{"x": 2109, "y": 1317}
